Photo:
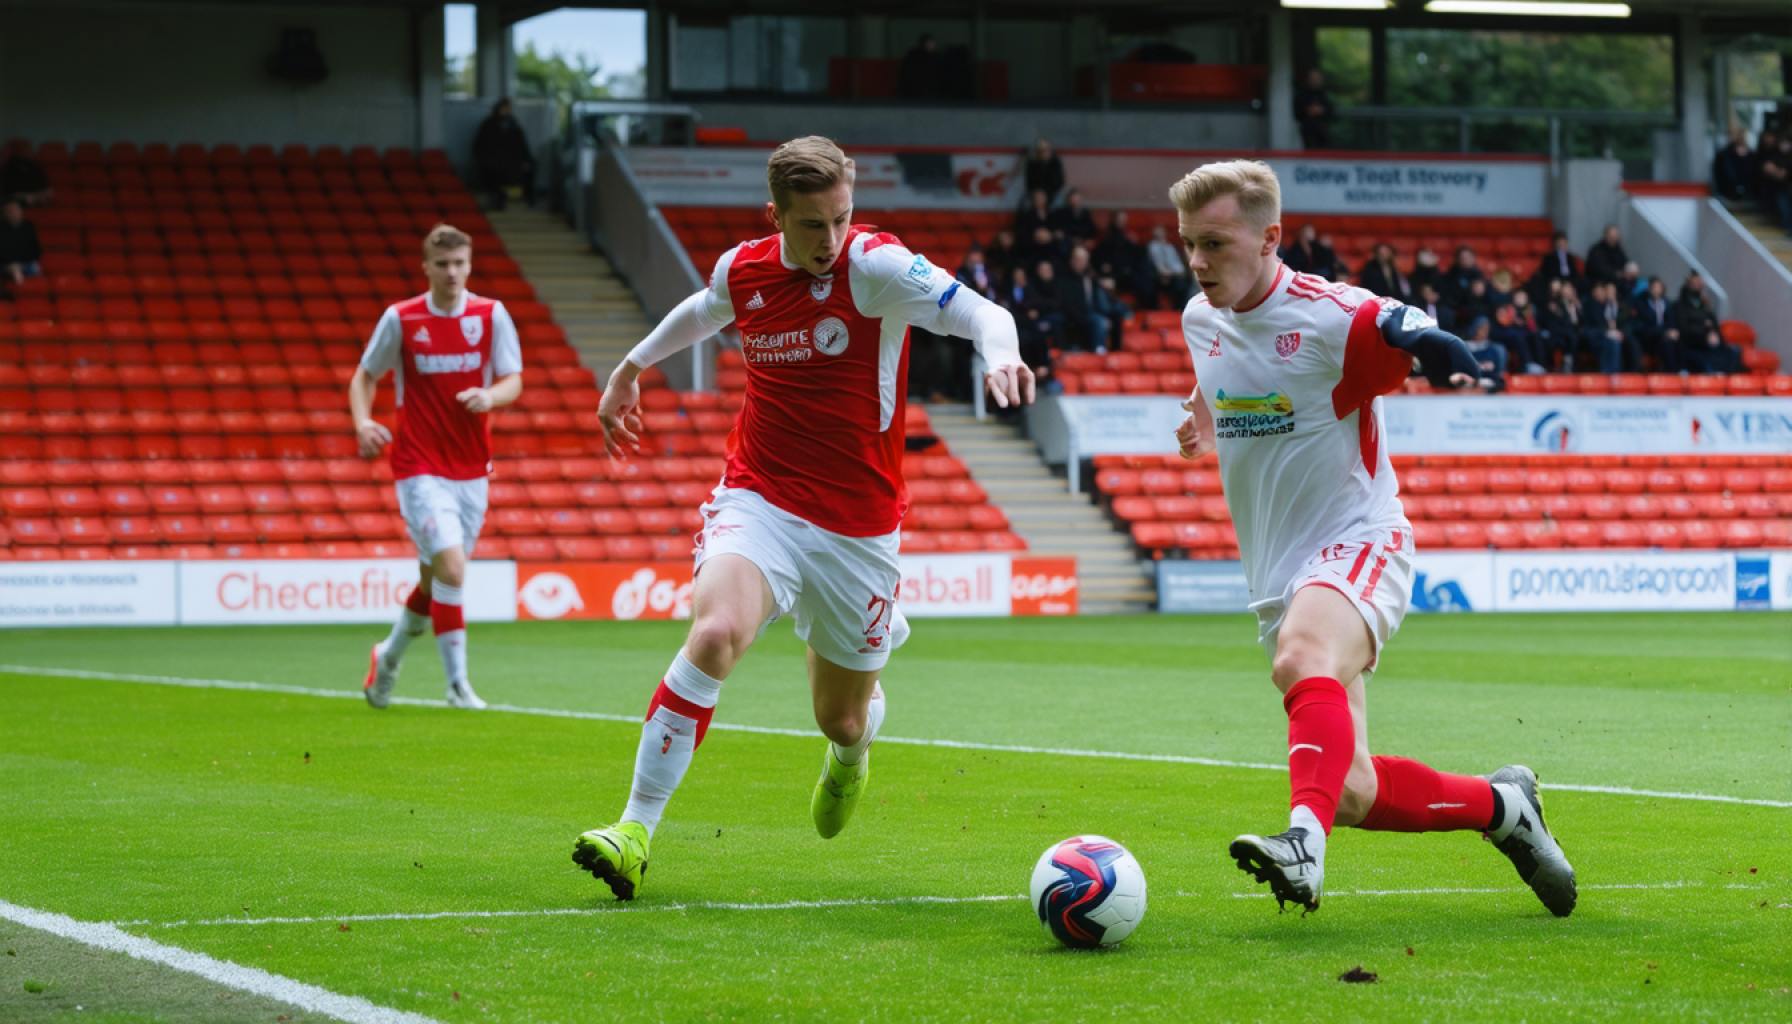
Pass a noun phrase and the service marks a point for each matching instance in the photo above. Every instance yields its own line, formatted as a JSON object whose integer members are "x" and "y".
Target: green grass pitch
{"x": 196, "y": 814}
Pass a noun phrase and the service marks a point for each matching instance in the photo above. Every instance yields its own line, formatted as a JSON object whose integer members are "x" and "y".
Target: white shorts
{"x": 1373, "y": 568}
{"x": 841, "y": 590}
{"x": 442, "y": 514}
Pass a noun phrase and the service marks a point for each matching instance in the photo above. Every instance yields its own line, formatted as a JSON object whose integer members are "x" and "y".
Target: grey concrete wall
{"x": 87, "y": 70}
{"x": 1586, "y": 196}
{"x": 1001, "y": 127}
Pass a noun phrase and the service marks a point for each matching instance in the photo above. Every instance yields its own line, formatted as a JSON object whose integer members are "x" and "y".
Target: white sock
{"x": 409, "y": 627}
{"x": 1514, "y": 803}
{"x": 668, "y": 741}
{"x": 874, "y": 720}
{"x": 453, "y": 643}
{"x": 1301, "y": 817}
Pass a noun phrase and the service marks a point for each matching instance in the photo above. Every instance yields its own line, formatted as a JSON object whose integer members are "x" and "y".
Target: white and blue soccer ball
{"x": 1088, "y": 891}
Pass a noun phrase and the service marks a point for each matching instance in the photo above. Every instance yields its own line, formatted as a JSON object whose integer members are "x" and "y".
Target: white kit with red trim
{"x": 1294, "y": 384}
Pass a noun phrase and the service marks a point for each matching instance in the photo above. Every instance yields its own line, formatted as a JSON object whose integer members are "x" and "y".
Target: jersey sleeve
{"x": 891, "y": 283}
{"x": 507, "y": 348}
{"x": 718, "y": 305}
{"x": 385, "y": 346}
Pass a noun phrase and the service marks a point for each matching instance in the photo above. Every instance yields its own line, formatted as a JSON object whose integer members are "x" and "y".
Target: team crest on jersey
{"x": 472, "y": 328}
{"x": 1288, "y": 344}
{"x": 422, "y": 335}
{"x": 830, "y": 336}
{"x": 821, "y": 288}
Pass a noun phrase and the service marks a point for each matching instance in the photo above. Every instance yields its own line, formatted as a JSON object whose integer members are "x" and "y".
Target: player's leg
{"x": 388, "y": 655}
{"x": 731, "y": 602}
{"x": 447, "y": 614}
{"x": 849, "y": 708}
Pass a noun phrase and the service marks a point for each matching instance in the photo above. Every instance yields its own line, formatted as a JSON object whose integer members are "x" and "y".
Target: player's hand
{"x": 619, "y": 413}
{"x": 372, "y": 436}
{"x": 1194, "y": 437}
{"x": 475, "y": 400}
{"x": 1010, "y": 386}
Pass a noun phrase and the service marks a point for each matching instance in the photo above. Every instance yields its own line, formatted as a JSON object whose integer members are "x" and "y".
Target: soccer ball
{"x": 1088, "y": 891}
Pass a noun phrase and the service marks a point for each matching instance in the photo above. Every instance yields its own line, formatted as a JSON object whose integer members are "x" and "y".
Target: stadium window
{"x": 1344, "y": 55}
{"x": 459, "y": 50}
{"x": 754, "y": 54}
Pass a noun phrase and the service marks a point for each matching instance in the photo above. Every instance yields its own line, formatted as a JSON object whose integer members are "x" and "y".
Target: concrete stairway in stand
{"x": 1041, "y": 508}
{"x": 600, "y": 315}
{"x": 1764, "y": 230}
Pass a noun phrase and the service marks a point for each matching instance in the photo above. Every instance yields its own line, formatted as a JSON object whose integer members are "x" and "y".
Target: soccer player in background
{"x": 806, "y": 521}
{"x": 456, "y": 357}
{"x": 1291, "y": 368}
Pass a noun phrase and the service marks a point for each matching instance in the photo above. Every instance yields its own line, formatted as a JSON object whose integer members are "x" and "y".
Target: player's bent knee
{"x": 845, "y": 727}
{"x": 1300, "y": 656}
{"x": 716, "y": 642}
{"x": 450, "y": 566}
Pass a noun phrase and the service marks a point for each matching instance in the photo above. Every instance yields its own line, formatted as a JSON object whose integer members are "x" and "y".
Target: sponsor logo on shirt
{"x": 821, "y": 288}
{"x": 1244, "y": 416}
{"x": 472, "y": 328}
{"x": 920, "y": 274}
{"x": 756, "y": 302}
{"x": 460, "y": 362}
{"x": 778, "y": 347}
{"x": 831, "y": 336}
{"x": 1287, "y": 345}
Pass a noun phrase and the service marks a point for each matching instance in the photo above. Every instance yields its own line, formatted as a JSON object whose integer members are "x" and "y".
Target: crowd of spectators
{"x": 1597, "y": 314}
{"x": 1762, "y": 175}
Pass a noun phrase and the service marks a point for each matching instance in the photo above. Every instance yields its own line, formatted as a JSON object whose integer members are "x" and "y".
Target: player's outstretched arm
{"x": 1444, "y": 359}
{"x": 370, "y": 434}
{"x": 692, "y": 320}
{"x": 965, "y": 314}
{"x": 1195, "y": 436}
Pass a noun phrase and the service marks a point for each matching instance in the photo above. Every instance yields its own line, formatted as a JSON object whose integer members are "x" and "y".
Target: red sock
{"x": 1413, "y": 797}
{"x": 1321, "y": 743}
{"x": 665, "y": 698}
{"x": 447, "y": 617}
{"x": 418, "y": 602}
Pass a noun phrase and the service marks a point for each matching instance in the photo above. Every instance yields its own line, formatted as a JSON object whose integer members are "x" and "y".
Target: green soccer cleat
{"x": 837, "y": 792}
{"x": 616, "y": 856}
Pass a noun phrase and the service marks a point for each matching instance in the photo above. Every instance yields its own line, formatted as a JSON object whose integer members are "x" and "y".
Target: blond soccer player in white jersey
{"x": 1292, "y": 369}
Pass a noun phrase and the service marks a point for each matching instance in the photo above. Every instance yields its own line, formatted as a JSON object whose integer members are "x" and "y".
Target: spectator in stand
{"x": 1773, "y": 179}
{"x": 1653, "y": 317}
{"x": 1488, "y": 353}
{"x": 974, "y": 273}
{"x": 1499, "y": 288}
{"x": 1001, "y": 255}
{"x": 1631, "y": 285}
{"x": 921, "y": 74}
{"x": 1071, "y": 222}
{"x": 1515, "y": 328}
{"x": 1424, "y": 271}
{"x": 1308, "y": 255}
{"x": 21, "y": 255}
{"x": 1119, "y": 257}
{"x": 1108, "y": 303}
{"x": 1702, "y": 347}
{"x": 1034, "y": 330}
{"x": 501, "y": 152}
{"x": 1035, "y": 214}
{"x": 1606, "y": 259}
{"x": 1564, "y": 324}
{"x": 1609, "y": 335}
{"x": 1427, "y": 299}
{"x": 1477, "y": 304}
{"x": 23, "y": 178}
{"x": 1045, "y": 172}
{"x": 1087, "y": 324}
{"x": 1168, "y": 270}
{"x": 1731, "y": 167}
{"x": 1455, "y": 284}
{"x": 1381, "y": 276}
{"x": 1046, "y": 298}
{"x": 1313, "y": 109}
{"x": 1042, "y": 247}
{"x": 1558, "y": 264}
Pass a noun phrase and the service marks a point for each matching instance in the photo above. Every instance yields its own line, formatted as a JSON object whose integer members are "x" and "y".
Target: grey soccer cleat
{"x": 1523, "y": 837}
{"x": 1294, "y": 874}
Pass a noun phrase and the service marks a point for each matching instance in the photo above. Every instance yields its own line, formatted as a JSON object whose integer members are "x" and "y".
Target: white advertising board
{"x": 348, "y": 590}
{"x": 1595, "y": 580}
{"x": 87, "y": 594}
{"x": 950, "y": 586}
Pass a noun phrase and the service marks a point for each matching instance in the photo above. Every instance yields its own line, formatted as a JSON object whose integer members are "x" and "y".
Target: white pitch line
{"x": 895, "y": 901}
{"x": 764, "y": 730}
{"x": 352, "y": 1009}
{"x": 618, "y": 908}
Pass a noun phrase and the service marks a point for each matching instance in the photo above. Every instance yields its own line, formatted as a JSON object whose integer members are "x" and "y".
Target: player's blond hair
{"x": 445, "y": 238}
{"x": 1259, "y": 194}
{"x": 809, "y": 164}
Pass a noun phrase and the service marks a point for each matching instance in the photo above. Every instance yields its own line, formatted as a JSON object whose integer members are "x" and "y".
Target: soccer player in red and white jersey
{"x": 455, "y": 357}
{"x": 806, "y": 519}
{"x": 1291, "y": 368}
